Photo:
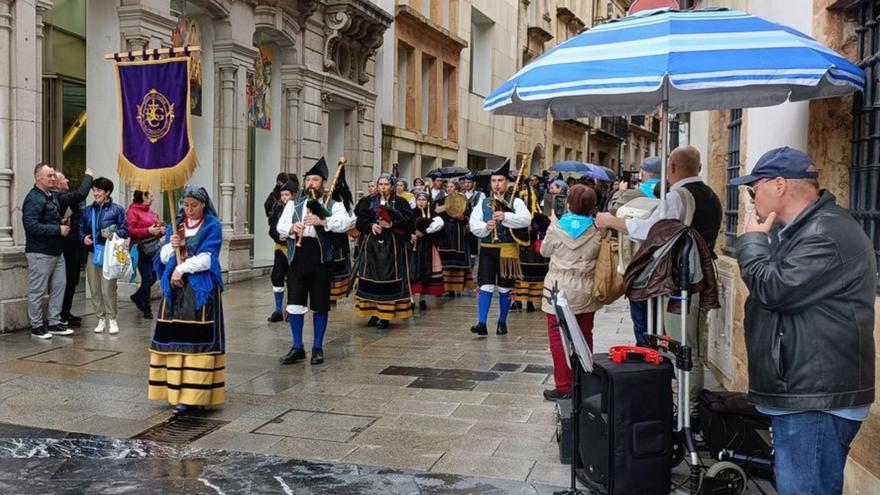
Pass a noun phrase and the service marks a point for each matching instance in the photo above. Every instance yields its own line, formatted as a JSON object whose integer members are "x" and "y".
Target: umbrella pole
{"x": 664, "y": 141}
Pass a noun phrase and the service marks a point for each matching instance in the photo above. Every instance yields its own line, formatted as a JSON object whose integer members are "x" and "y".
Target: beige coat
{"x": 572, "y": 262}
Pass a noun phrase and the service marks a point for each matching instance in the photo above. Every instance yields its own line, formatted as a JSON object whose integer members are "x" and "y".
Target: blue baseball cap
{"x": 652, "y": 165}
{"x": 780, "y": 162}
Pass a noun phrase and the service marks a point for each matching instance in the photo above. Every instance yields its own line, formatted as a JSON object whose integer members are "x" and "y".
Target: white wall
{"x": 102, "y": 129}
{"x": 203, "y": 126}
{"x": 267, "y": 164}
{"x": 385, "y": 68}
{"x": 335, "y": 140}
{"x": 699, "y": 138}
{"x": 786, "y": 124}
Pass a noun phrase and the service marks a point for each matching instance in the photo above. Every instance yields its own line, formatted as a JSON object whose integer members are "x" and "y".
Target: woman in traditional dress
{"x": 426, "y": 270}
{"x": 456, "y": 253}
{"x": 530, "y": 287}
{"x": 187, "y": 351}
{"x": 385, "y": 223}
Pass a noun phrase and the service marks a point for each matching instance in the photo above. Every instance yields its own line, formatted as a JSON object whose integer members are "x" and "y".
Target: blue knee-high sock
{"x": 504, "y": 301}
{"x": 296, "y": 329}
{"x": 279, "y": 300}
{"x": 319, "y": 321}
{"x": 483, "y": 305}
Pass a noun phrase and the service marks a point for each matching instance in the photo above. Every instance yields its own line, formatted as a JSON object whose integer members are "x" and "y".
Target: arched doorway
{"x": 536, "y": 163}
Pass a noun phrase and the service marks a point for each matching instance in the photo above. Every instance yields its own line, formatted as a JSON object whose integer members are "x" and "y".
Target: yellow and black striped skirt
{"x": 189, "y": 379}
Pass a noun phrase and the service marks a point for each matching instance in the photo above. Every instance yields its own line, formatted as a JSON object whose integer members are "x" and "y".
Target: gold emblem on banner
{"x": 155, "y": 114}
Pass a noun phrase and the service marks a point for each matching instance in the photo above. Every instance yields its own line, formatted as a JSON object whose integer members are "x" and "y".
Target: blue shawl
{"x": 575, "y": 224}
{"x": 209, "y": 240}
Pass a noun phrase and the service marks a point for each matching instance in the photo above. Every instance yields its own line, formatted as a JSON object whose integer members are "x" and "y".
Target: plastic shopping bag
{"x": 117, "y": 259}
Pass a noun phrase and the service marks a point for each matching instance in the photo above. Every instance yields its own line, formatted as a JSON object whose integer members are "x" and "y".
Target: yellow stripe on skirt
{"x": 189, "y": 379}
{"x": 391, "y": 310}
{"x": 457, "y": 279}
{"x": 528, "y": 291}
{"x": 339, "y": 289}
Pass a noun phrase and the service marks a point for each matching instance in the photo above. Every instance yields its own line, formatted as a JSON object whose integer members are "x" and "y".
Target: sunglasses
{"x": 753, "y": 190}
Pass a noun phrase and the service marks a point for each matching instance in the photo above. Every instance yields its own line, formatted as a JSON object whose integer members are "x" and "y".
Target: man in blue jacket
{"x": 45, "y": 231}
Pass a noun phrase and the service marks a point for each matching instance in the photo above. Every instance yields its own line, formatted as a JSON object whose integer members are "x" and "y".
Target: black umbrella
{"x": 447, "y": 172}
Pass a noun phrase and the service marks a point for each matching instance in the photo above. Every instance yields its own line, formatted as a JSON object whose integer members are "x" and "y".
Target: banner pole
{"x": 172, "y": 211}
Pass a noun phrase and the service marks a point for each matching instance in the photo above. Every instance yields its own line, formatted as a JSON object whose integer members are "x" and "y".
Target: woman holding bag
{"x": 100, "y": 221}
{"x": 572, "y": 244}
{"x": 146, "y": 236}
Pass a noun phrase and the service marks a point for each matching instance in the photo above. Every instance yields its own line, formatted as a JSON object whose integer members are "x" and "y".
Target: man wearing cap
{"x": 649, "y": 173}
{"x": 310, "y": 254}
{"x": 437, "y": 192}
{"x": 688, "y": 196}
{"x": 469, "y": 189}
{"x": 809, "y": 319}
{"x": 280, "y": 266}
{"x": 491, "y": 221}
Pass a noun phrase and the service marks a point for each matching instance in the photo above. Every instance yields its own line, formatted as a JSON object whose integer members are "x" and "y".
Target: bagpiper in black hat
{"x": 320, "y": 169}
{"x": 503, "y": 170}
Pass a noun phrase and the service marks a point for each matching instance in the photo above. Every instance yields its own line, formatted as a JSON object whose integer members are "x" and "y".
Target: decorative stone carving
{"x": 353, "y": 31}
{"x": 326, "y": 99}
{"x": 361, "y": 111}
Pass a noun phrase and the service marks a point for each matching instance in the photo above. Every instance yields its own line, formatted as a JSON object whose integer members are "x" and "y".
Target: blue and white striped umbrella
{"x": 696, "y": 60}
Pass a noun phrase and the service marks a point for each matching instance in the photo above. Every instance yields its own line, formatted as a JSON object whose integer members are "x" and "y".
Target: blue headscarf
{"x": 201, "y": 194}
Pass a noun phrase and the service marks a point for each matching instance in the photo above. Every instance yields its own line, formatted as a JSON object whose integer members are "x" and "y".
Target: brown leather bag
{"x": 608, "y": 284}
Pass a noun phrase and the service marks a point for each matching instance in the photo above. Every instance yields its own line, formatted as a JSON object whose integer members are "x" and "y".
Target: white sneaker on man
{"x": 114, "y": 328}
{"x": 101, "y": 326}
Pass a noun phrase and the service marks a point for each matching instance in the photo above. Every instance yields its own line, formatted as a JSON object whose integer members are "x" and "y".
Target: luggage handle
{"x": 629, "y": 353}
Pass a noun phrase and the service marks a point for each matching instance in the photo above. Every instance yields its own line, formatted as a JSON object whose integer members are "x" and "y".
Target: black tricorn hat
{"x": 504, "y": 169}
{"x": 320, "y": 169}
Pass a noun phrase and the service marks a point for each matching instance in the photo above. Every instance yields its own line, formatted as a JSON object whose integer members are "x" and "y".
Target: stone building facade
{"x": 319, "y": 88}
{"x": 732, "y": 141}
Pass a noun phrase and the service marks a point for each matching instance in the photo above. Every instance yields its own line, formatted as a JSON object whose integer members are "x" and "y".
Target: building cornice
{"x": 434, "y": 32}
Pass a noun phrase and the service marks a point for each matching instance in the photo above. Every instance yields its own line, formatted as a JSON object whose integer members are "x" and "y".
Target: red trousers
{"x": 561, "y": 371}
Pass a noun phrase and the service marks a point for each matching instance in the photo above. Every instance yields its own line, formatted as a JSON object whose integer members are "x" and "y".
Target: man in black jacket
{"x": 72, "y": 250}
{"x": 809, "y": 320}
{"x": 45, "y": 230}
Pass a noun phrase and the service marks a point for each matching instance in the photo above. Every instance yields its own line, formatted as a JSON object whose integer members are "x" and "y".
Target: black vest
{"x": 707, "y": 212}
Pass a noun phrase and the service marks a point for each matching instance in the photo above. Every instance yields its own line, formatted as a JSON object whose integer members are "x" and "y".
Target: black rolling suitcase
{"x": 626, "y": 427}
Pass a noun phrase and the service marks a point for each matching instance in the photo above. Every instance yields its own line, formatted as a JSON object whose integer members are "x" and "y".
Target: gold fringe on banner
{"x": 164, "y": 179}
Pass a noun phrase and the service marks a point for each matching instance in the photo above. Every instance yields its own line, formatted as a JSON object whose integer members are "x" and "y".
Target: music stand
{"x": 579, "y": 357}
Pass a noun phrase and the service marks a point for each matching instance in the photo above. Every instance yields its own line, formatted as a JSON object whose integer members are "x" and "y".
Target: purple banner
{"x": 157, "y": 148}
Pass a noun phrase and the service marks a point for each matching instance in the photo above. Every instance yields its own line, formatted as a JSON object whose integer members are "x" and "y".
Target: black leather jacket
{"x": 809, "y": 318}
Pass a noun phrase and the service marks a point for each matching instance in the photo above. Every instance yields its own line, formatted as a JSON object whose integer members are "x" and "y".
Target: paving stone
{"x": 394, "y": 457}
{"x": 496, "y": 413}
{"x": 311, "y": 449}
{"x": 495, "y": 467}
{"x": 425, "y": 424}
{"x": 247, "y": 442}
{"x": 409, "y": 406}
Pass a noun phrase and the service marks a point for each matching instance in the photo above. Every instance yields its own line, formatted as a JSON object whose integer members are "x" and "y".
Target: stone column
{"x": 290, "y": 131}
{"x": 226, "y": 124}
{"x": 6, "y": 164}
{"x": 43, "y": 6}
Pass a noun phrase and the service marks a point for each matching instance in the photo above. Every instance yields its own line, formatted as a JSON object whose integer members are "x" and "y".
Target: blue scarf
{"x": 574, "y": 224}
{"x": 647, "y": 187}
{"x": 210, "y": 239}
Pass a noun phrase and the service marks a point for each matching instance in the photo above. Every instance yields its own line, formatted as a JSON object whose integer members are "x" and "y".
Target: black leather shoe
{"x": 552, "y": 395}
{"x": 75, "y": 320}
{"x": 136, "y": 302}
{"x": 275, "y": 317}
{"x": 317, "y": 356}
{"x": 530, "y": 307}
{"x": 423, "y": 306}
{"x": 148, "y": 315}
{"x": 501, "y": 329}
{"x": 293, "y": 356}
{"x": 382, "y": 324}
{"x": 373, "y": 321}
{"x": 479, "y": 329}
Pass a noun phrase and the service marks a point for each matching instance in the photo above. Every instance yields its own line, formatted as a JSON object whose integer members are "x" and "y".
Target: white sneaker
{"x": 114, "y": 328}
{"x": 101, "y": 326}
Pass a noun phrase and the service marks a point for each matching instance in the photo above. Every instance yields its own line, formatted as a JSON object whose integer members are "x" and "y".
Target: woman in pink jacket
{"x": 146, "y": 233}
